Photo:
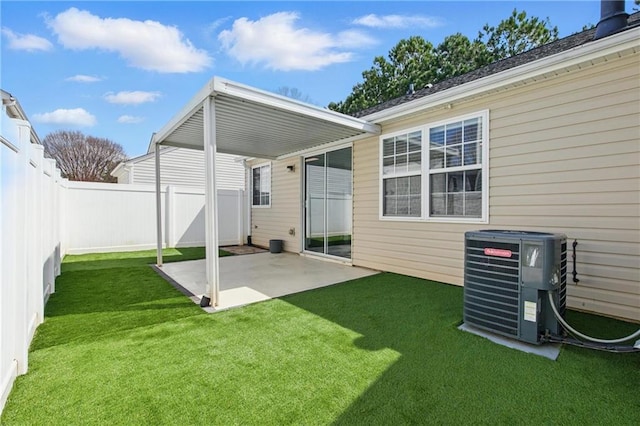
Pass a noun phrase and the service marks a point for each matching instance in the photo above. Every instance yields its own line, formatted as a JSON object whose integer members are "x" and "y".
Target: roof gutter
{"x": 627, "y": 40}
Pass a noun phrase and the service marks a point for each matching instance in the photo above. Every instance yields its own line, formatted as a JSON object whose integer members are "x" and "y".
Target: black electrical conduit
{"x": 581, "y": 335}
{"x": 575, "y": 271}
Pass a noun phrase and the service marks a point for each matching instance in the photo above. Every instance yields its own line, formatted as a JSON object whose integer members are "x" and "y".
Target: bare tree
{"x": 83, "y": 158}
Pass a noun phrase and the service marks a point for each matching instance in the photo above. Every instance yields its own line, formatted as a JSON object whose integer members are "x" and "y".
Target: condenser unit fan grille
{"x": 492, "y": 286}
{"x": 562, "y": 290}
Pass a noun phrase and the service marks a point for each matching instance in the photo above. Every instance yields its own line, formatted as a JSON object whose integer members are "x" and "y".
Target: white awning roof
{"x": 255, "y": 123}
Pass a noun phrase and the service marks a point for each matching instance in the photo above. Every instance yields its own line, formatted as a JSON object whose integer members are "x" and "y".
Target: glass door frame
{"x": 303, "y": 196}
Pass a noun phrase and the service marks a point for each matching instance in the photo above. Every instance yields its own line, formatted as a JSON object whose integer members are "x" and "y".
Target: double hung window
{"x": 261, "y": 185}
{"x": 438, "y": 171}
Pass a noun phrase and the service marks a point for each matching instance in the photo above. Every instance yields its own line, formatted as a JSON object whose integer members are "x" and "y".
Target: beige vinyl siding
{"x": 564, "y": 157}
{"x": 185, "y": 167}
{"x": 274, "y": 222}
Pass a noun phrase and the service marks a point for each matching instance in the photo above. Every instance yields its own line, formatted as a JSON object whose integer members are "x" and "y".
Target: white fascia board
{"x": 151, "y": 147}
{"x": 237, "y": 90}
{"x": 194, "y": 104}
{"x": 596, "y": 49}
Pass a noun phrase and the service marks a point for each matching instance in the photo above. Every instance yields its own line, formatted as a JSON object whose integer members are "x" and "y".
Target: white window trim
{"x": 257, "y": 166}
{"x": 425, "y": 194}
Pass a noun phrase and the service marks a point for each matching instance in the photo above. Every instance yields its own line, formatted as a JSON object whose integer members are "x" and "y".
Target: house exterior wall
{"x": 274, "y": 222}
{"x": 564, "y": 157}
{"x": 185, "y": 167}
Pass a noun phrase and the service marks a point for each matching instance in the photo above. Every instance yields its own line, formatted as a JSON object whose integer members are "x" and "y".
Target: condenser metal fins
{"x": 506, "y": 275}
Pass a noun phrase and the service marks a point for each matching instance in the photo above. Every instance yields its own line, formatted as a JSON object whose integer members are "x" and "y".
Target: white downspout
{"x": 248, "y": 190}
{"x": 158, "y": 208}
{"x": 211, "y": 204}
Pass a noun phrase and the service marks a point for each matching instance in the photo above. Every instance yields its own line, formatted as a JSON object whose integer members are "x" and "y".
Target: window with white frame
{"x": 439, "y": 179}
{"x": 261, "y": 185}
{"x": 401, "y": 175}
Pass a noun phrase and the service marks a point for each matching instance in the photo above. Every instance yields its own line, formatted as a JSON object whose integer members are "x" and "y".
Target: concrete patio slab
{"x": 257, "y": 277}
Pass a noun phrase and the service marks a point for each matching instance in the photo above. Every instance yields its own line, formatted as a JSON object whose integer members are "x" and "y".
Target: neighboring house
{"x": 181, "y": 167}
{"x": 548, "y": 140}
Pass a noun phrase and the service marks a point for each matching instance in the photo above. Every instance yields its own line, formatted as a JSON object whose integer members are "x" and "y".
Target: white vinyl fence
{"x": 43, "y": 217}
{"x": 30, "y": 251}
{"x": 102, "y": 217}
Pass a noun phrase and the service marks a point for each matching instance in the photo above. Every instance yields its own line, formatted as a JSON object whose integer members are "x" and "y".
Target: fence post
{"x": 22, "y": 283}
{"x": 57, "y": 211}
{"x": 48, "y": 213}
{"x": 38, "y": 282}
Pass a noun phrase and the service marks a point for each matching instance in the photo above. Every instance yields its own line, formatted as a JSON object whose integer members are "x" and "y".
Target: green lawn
{"x": 121, "y": 346}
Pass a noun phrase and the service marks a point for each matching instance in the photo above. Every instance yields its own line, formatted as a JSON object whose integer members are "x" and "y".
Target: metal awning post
{"x": 211, "y": 201}
{"x": 158, "y": 208}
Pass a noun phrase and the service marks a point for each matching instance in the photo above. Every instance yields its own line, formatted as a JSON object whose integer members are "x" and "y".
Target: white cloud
{"x": 398, "y": 21}
{"x": 212, "y": 27}
{"x": 28, "y": 42}
{"x": 354, "y": 39}
{"x": 74, "y": 117}
{"x": 80, "y": 78}
{"x": 277, "y": 43}
{"x": 143, "y": 44}
{"x": 131, "y": 98}
{"x": 130, "y": 119}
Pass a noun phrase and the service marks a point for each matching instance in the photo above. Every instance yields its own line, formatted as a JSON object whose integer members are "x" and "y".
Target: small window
{"x": 261, "y": 185}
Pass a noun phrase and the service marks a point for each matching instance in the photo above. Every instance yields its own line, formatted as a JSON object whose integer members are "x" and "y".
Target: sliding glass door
{"x": 328, "y": 203}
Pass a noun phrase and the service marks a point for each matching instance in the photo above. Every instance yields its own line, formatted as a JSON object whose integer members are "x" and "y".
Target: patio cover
{"x": 232, "y": 118}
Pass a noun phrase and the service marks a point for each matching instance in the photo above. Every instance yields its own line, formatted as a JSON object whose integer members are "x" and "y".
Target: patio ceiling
{"x": 255, "y": 123}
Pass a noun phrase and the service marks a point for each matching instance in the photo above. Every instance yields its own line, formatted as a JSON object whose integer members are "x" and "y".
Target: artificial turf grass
{"x": 133, "y": 258}
{"x": 379, "y": 350}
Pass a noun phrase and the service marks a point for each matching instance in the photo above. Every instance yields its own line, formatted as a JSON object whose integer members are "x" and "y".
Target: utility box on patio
{"x": 275, "y": 246}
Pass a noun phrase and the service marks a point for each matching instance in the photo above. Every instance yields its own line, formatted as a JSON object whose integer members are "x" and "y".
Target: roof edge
{"x": 194, "y": 104}
{"x": 582, "y": 53}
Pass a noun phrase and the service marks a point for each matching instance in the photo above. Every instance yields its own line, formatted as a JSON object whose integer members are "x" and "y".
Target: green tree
{"x": 516, "y": 34}
{"x": 411, "y": 61}
{"x": 416, "y": 61}
{"x": 458, "y": 55}
{"x": 83, "y": 158}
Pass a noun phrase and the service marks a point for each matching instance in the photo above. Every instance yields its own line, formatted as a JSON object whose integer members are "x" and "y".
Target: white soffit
{"x": 255, "y": 123}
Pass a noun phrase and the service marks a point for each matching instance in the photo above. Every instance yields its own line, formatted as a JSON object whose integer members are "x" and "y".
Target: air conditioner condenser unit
{"x": 507, "y": 275}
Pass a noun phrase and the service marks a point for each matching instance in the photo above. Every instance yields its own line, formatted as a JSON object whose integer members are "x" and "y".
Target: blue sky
{"x": 121, "y": 70}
